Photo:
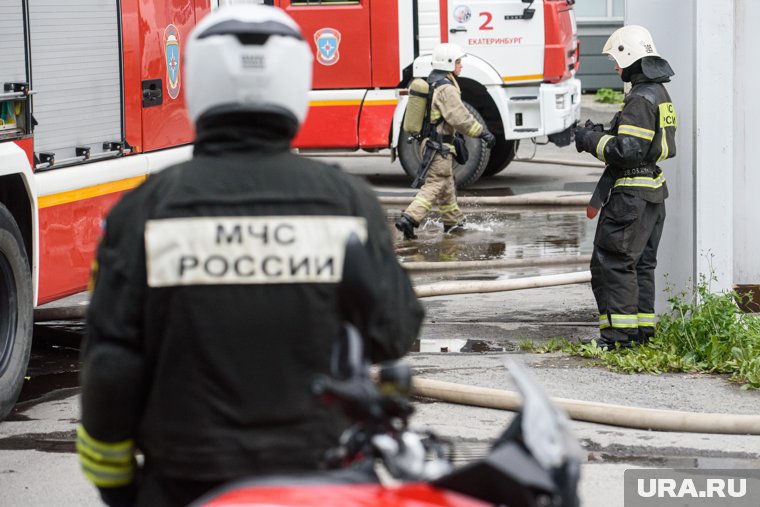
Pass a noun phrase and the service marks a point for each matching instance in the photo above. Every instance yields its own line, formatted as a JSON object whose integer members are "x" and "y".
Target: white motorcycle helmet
{"x": 247, "y": 58}
{"x": 445, "y": 56}
{"x": 629, "y": 44}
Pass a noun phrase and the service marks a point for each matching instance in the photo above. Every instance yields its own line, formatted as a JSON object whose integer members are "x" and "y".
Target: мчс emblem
{"x": 171, "y": 42}
{"x": 327, "y": 41}
{"x": 462, "y": 14}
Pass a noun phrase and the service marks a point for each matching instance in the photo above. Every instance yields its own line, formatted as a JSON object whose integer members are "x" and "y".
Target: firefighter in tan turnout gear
{"x": 448, "y": 117}
{"x": 631, "y": 192}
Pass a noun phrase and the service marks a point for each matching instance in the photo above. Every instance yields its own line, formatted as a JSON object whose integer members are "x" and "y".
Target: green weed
{"x": 526, "y": 345}
{"x": 609, "y": 96}
{"x": 703, "y": 332}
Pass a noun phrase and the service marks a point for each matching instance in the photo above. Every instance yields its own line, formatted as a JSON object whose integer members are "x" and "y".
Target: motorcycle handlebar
{"x": 361, "y": 400}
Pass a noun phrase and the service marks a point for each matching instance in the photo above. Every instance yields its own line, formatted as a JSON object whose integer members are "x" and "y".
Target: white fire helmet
{"x": 247, "y": 58}
{"x": 446, "y": 55}
{"x": 628, "y": 44}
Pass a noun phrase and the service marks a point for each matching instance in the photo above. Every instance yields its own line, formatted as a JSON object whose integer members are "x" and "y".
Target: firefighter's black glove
{"x": 596, "y": 127}
{"x": 489, "y": 138}
{"x": 582, "y": 139}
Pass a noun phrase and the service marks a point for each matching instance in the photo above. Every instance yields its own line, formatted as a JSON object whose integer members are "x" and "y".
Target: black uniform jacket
{"x": 641, "y": 135}
{"x": 229, "y": 363}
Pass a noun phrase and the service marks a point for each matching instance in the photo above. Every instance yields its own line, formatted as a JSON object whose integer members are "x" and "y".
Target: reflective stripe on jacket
{"x": 641, "y": 135}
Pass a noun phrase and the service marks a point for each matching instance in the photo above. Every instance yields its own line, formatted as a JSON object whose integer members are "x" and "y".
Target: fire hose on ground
{"x": 555, "y": 260}
{"x": 538, "y": 199}
{"x": 602, "y": 413}
{"x": 79, "y": 311}
{"x": 479, "y": 287}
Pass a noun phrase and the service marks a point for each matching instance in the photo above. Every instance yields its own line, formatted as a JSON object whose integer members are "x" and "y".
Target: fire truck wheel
{"x": 501, "y": 156}
{"x": 16, "y": 312}
{"x": 464, "y": 175}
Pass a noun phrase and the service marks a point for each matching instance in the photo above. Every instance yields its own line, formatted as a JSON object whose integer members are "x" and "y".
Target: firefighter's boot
{"x": 406, "y": 225}
{"x": 453, "y": 228}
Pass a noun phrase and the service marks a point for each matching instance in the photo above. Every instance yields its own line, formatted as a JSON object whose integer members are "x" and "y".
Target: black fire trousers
{"x": 622, "y": 267}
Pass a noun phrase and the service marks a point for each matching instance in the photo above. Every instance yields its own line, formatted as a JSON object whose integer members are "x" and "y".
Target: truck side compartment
{"x": 91, "y": 103}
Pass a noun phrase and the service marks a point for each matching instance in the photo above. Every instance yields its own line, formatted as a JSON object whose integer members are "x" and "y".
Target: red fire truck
{"x": 519, "y": 75}
{"x": 90, "y": 103}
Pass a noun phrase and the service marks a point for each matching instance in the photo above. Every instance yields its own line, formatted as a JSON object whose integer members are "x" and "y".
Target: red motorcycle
{"x": 380, "y": 461}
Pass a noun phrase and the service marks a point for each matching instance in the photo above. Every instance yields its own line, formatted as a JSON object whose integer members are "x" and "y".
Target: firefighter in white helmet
{"x": 632, "y": 190}
{"x": 448, "y": 120}
{"x": 223, "y": 282}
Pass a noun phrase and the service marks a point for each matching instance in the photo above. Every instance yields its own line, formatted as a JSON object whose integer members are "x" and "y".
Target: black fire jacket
{"x": 222, "y": 276}
{"x": 640, "y": 136}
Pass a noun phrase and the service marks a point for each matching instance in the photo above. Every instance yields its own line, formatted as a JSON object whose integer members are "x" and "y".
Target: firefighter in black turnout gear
{"x": 222, "y": 283}
{"x": 632, "y": 190}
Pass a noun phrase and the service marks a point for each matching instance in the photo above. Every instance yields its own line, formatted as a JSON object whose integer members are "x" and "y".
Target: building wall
{"x": 714, "y": 181}
{"x": 596, "y": 20}
{"x": 746, "y": 133}
{"x": 596, "y": 70}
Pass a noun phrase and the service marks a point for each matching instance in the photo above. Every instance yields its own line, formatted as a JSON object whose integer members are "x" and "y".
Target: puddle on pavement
{"x": 498, "y": 235}
{"x": 455, "y": 345}
{"x": 54, "y": 362}
{"x": 489, "y": 235}
{"x": 45, "y": 442}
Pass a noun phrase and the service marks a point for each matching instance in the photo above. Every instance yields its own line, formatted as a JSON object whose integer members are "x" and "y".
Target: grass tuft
{"x": 702, "y": 332}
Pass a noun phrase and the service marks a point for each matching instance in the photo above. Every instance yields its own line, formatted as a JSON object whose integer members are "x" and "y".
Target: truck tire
{"x": 501, "y": 156}
{"x": 16, "y": 312}
{"x": 464, "y": 175}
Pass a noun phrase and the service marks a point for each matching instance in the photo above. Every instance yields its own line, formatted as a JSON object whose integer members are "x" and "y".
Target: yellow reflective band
{"x": 435, "y": 115}
{"x": 80, "y": 194}
{"x": 663, "y": 147}
{"x": 600, "y": 147}
{"x": 105, "y": 448}
{"x": 604, "y": 322}
{"x": 624, "y": 321}
{"x": 107, "y": 476}
{"x": 105, "y": 464}
{"x": 667, "y": 115}
{"x": 474, "y": 130}
{"x": 332, "y": 103}
{"x": 633, "y": 130}
{"x": 449, "y": 207}
{"x": 641, "y": 181}
{"x": 425, "y": 204}
{"x": 646, "y": 319}
{"x": 529, "y": 77}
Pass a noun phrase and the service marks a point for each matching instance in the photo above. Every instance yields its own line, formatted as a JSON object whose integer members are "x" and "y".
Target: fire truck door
{"x": 339, "y": 34}
{"x": 509, "y": 34}
{"x": 165, "y": 26}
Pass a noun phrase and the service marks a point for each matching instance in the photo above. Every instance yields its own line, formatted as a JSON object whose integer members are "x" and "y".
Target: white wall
{"x": 747, "y": 145}
{"x": 713, "y": 186}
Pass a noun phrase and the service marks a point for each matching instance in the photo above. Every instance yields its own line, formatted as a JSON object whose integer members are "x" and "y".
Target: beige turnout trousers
{"x": 438, "y": 189}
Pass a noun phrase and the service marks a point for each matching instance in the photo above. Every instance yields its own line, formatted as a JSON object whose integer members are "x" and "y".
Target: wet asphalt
{"x": 464, "y": 339}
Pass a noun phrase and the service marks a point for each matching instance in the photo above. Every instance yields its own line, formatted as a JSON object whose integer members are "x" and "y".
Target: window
{"x": 599, "y": 9}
